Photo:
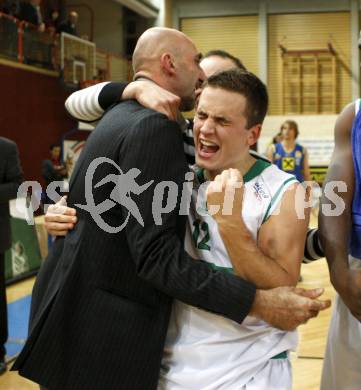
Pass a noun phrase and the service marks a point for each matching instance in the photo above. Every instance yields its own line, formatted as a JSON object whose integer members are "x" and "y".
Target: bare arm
{"x": 306, "y": 166}
{"x": 275, "y": 259}
{"x": 282, "y": 240}
{"x": 335, "y": 230}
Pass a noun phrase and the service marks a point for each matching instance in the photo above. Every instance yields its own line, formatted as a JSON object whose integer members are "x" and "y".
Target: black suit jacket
{"x": 68, "y": 28}
{"x": 11, "y": 177}
{"x": 102, "y": 301}
{"x": 29, "y": 14}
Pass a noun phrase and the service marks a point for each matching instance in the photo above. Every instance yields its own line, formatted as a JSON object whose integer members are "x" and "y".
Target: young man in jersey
{"x": 202, "y": 350}
{"x": 341, "y": 239}
{"x": 289, "y": 155}
{"x": 260, "y": 246}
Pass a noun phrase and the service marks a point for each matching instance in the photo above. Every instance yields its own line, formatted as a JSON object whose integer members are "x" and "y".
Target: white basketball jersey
{"x": 206, "y": 351}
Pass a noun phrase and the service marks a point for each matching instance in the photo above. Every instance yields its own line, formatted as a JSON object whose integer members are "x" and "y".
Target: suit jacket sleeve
{"x": 13, "y": 174}
{"x": 155, "y": 147}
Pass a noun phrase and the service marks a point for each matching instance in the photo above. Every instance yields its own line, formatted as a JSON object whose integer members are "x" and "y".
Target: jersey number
{"x": 201, "y": 235}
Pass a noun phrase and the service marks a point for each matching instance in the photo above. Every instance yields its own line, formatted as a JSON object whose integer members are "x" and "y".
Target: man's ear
{"x": 167, "y": 64}
{"x": 254, "y": 134}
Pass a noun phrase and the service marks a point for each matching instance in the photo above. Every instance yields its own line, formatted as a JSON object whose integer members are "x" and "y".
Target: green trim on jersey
{"x": 256, "y": 169}
{"x": 276, "y": 197}
{"x": 282, "y": 355}
{"x": 218, "y": 268}
{"x": 200, "y": 175}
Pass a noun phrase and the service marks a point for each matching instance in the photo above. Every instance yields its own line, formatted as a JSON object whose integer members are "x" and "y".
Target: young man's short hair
{"x": 248, "y": 85}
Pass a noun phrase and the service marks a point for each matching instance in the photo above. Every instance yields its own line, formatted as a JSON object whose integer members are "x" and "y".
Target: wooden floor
{"x": 307, "y": 362}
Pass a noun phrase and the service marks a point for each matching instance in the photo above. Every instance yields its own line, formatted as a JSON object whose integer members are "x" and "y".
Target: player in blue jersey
{"x": 288, "y": 155}
{"x": 341, "y": 240}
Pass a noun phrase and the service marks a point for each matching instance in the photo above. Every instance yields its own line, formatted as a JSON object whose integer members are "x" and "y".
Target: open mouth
{"x": 207, "y": 149}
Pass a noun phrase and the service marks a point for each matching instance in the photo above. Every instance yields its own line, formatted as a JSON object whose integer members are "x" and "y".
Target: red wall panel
{"x": 32, "y": 114}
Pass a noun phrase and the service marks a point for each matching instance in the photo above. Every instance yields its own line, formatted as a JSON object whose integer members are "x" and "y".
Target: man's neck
{"x": 152, "y": 78}
{"x": 156, "y": 78}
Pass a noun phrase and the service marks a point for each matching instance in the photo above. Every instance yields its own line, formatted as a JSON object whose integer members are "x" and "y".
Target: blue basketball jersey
{"x": 355, "y": 242}
{"x": 290, "y": 162}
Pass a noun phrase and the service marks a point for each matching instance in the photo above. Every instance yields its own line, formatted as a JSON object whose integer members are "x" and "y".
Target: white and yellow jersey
{"x": 206, "y": 351}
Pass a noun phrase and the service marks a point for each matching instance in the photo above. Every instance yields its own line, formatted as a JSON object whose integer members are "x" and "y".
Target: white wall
{"x": 108, "y": 19}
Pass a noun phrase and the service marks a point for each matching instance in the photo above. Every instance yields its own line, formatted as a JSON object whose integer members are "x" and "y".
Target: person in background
{"x": 53, "y": 169}
{"x": 277, "y": 138}
{"x": 288, "y": 155}
{"x": 54, "y": 13}
{"x": 31, "y": 12}
{"x": 11, "y": 176}
{"x": 69, "y": 26}
{"x": 52, "y": 22}
{"x": 9, "y": 40}
{"x": 11, "y": 7}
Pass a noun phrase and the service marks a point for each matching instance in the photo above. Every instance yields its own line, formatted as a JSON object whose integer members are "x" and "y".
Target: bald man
{"x": 69, "y": 26}
{"x": 102, "y": 301}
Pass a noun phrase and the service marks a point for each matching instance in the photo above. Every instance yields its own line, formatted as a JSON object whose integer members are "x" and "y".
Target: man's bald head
{"x": 73, "y": 17}
{"x": 169, "y": 58}
{"x": 156, "y": 41}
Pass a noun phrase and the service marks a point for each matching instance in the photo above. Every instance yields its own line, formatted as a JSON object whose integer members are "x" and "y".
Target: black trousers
{"x": 3, "y": 308}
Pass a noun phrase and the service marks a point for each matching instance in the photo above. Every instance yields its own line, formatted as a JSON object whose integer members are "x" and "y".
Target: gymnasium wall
{"x": 235, "y": 34}
{"x": 308, "y": 31}
{"x": 108, "y": 22}
{"x": 32, "y": 115}
{"x": 239, "y": 36}
{"x": 304, "y": 25}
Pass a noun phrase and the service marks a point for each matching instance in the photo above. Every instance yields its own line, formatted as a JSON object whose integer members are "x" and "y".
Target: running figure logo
{"x": 125, "y": 185}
